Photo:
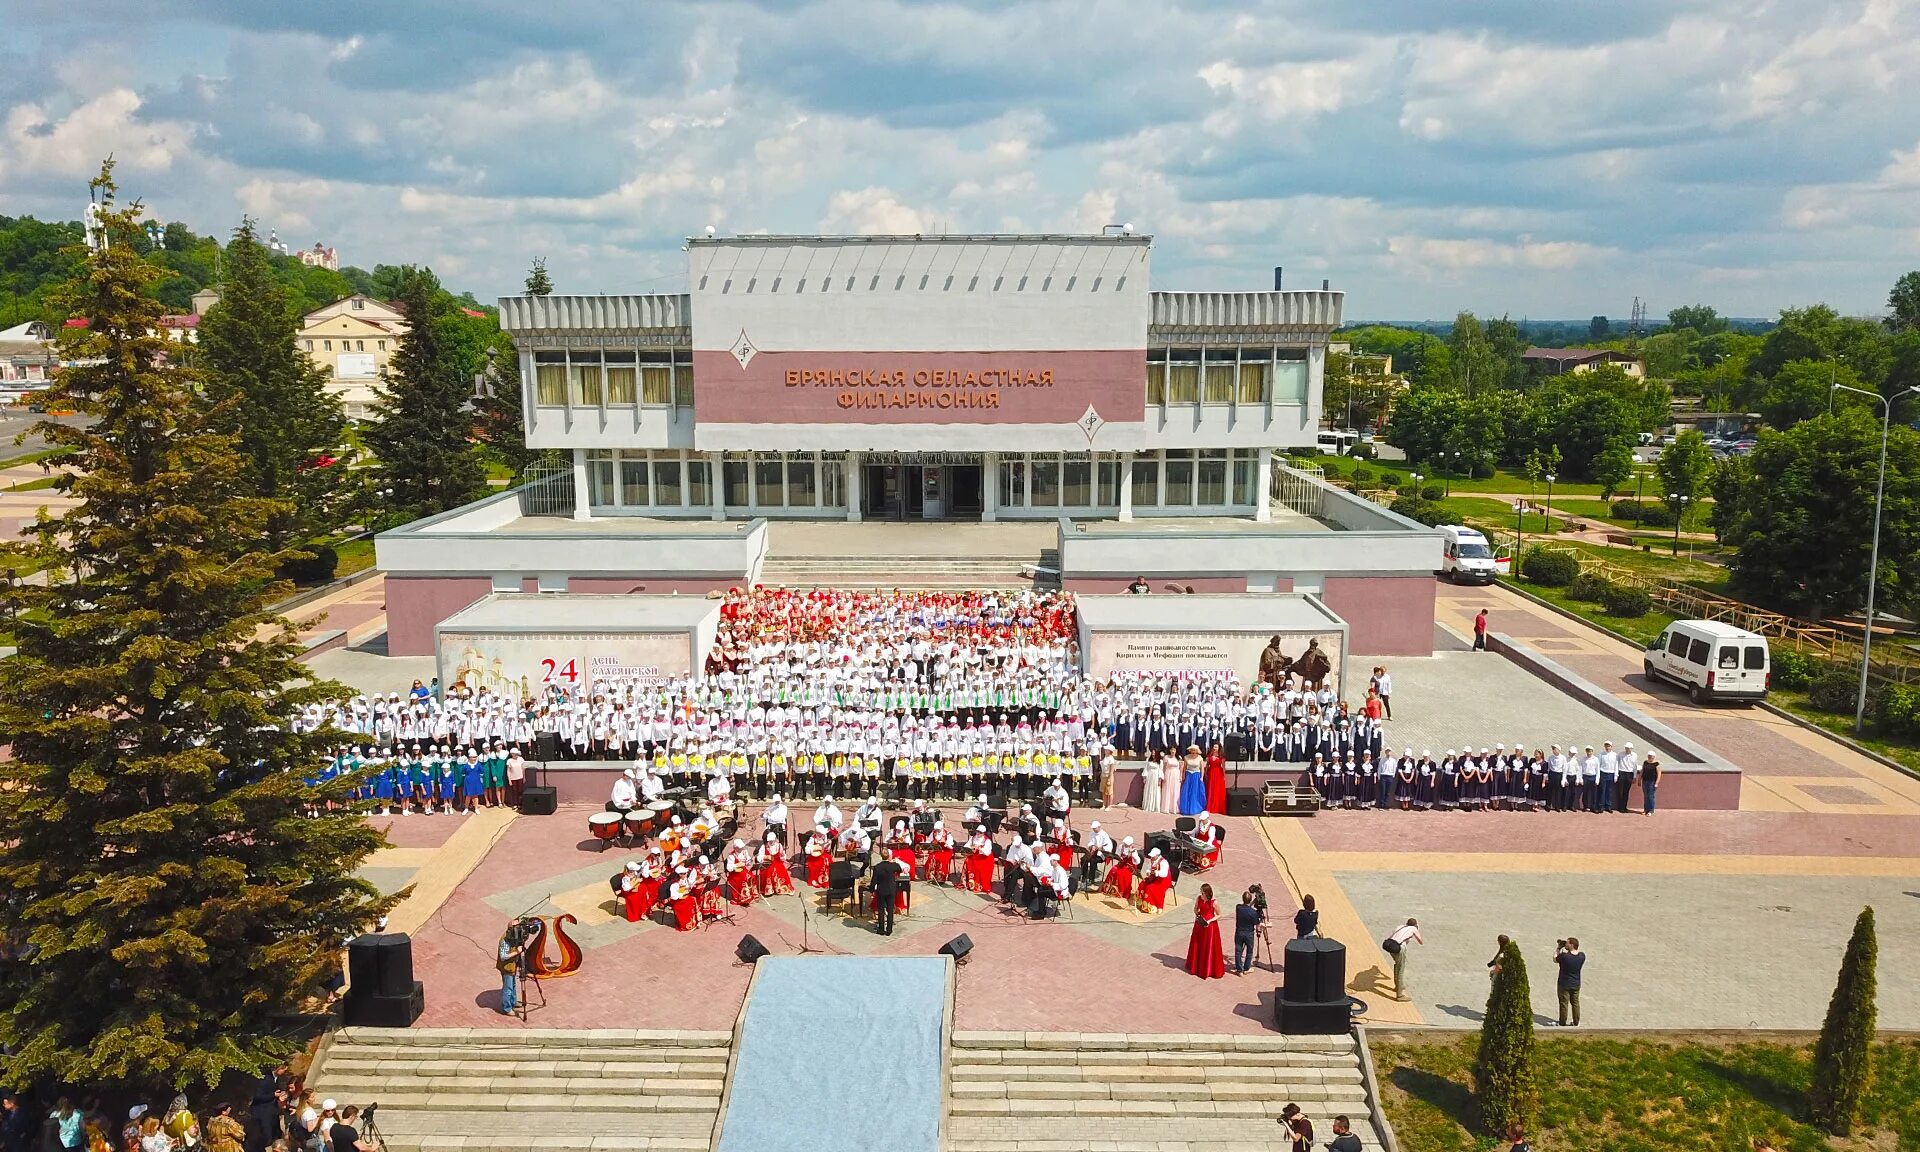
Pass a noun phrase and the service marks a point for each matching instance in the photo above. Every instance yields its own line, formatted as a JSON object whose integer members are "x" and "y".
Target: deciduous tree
{"x": 1799, "y": 513}
{"x": 175, "y": 901}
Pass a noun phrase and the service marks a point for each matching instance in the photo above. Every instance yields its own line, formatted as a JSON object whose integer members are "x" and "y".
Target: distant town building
{"x": 1560, "y": 361}
{"x": 353, "y": 338}
{"x": 320, "y": 257}
{"x": 27, "y": 356}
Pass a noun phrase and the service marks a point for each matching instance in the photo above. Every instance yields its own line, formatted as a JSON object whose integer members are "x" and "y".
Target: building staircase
{"x": 513, "y": 1090}
{"x": 1069, "y": 1092}
{"x": 622, "y": 1090}
{"x": 979, "y": 571}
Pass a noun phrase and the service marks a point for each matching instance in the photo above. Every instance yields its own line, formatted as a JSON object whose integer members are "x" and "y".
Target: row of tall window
{"x": 1226, "y": 376}
{"x": 656, "y": 377}
{"x": 348, "y": 345}
{"x": 665, "y": 479}
{"x": 1170, "y": 478}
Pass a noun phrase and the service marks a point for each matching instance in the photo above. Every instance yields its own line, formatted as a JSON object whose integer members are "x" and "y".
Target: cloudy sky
{"x": 1544, "y": 158}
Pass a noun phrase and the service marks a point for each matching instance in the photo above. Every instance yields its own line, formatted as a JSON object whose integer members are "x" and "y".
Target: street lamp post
{"x": 1679, "y": 503}
{"x": 1873, "y": 564}
{"x": 1416, "y": 478}
{"x": 1549, "y": 517}
{"x": 1639, "y": 495}
{"x": 13, "y": 586}
{"x": 1452, "y": 467}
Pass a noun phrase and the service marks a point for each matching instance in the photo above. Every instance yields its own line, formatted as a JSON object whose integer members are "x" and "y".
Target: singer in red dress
{"x": 1216, "y": 780}
{"x": 1203, "y": 949}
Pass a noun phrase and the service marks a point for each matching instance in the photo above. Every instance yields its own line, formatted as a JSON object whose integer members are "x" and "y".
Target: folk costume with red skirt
{"x": 817, "y": 861}
{"x": 1158, "y": 880}
{"x": 775, "y": 880}
{"x": 1203, "y": 947}
{"x": 1120, "y": 879}
{"x": 939, "y": 850}
{"x": 979, "y": 865}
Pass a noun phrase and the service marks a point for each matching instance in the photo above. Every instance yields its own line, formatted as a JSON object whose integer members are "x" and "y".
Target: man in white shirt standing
{"x": 1396, "y": 946}
{"x": 1609, "y": 774}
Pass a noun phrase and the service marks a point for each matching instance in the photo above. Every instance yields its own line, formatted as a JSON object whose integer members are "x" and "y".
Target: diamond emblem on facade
{"x": 743, "y": 349}
{"x": 1090, "y": 422}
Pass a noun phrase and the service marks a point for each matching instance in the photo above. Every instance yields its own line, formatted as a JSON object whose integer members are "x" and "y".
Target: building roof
{"x": 1239, "y": 612}
{"x": 537, "y": 612}
{"x": 1574, "y": 355}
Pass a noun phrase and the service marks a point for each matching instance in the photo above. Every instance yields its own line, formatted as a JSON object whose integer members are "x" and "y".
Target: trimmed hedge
{"x": 1652, "y": 515}
{"x": 316, "y": 568}
{"x": 1433, "y": 492}
{"x": 1590, "y": 587}
{"x": 1549, "y": 569}
{"x": 1794, "y": 669}
{"x": 1423, "y": 511}
{"x": 1626, "y": 602}
{"x": 1836, "y": 689}
{"x": 1899, "y": 711}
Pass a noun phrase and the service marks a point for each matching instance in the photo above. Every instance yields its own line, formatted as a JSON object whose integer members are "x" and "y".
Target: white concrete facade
{"x": 922, "y": 377}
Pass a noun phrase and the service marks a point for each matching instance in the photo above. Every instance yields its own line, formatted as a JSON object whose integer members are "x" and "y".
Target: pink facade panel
{"x": 1385, "y": 615}
{"x": 919, "y": 387}
{"x": 416, "y": 604}
{"x": 651, "y": 586}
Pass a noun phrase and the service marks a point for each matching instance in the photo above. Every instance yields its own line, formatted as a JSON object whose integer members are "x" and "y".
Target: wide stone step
{"x": 1170, "y": 1093}
{"x": 1118, "y": 1041}
{"x": 495, "y": 1101}
{"x": 1165, "y": 1073}
{"x": 612, "y": 1069}
{"x": 1134, "y": 1142}
{"x": 1203, "y": 1103}
{"x": 533, "y": 1058}
{"x": 508, "y": 1039}
{"x": 357, "y": 1087}
{"x": 1038, "y": 1057}
{"x": 526, "y": 1132}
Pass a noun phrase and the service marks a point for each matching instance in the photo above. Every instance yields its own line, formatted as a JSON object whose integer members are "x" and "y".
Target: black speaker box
{"x": 1313, "y": 1017}
{"x": 1301, "y": 964}
{"x": 546, "y": 746}
{"x": 958, "y": 947}
{"x": 385, "y": 1011}
{"x": 1330, "y": 982}
{"x": 381, "y": 964}
{"x": 538, "y": 801}
{"x": 750, "y": 949}
{"x": 1243, "y": 802}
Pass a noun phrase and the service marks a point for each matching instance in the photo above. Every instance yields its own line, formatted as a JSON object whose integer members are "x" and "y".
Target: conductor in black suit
{"x": 885, "y": 880}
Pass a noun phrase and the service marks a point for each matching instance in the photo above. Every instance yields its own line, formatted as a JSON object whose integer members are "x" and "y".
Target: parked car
{"x": 1467, "y": 557}
{"x": 1712, "y": 660}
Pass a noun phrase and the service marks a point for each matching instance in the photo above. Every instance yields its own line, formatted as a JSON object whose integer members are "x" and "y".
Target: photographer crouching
{"x": 512, "y": 961}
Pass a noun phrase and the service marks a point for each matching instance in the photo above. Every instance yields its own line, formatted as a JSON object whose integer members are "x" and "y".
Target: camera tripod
{"x": 528, "y": 982}
{"x": 370, "y": 1131}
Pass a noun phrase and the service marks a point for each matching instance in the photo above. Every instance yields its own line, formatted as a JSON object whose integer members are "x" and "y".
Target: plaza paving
{"x": 1692, "y": 919}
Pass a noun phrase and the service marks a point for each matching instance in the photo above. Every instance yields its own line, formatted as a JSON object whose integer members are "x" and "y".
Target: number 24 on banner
{"x": 553, "y": 670}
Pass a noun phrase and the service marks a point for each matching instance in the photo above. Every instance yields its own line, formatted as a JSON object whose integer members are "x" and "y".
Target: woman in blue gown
{"x": 1193, "y": 784}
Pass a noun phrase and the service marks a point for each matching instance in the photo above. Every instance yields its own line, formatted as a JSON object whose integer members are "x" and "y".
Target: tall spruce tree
{"x": 1504, "y": 1089}
{"x": 271, "y": 398}
{"x": 166, "y": 900}
{"x": 423, "y": 433}
{"x": 1843, "y": 1058}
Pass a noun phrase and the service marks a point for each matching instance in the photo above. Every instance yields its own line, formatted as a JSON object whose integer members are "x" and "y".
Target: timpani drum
{"x": 639, "y": 823}
{"x": 605, "y": 827}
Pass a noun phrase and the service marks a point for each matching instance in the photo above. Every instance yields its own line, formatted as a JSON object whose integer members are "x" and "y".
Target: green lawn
{"x": 1502, "y": 481}
{"x": 33, "y": 457}
{"x": 1641, "y": 629}
{"x": 1644, "y": 1095}
{"x": 1486, "y": 510}
{"x": 1902, "y": 751}
{"x": 355, "y": 555}
{"x": 37, "y": 484}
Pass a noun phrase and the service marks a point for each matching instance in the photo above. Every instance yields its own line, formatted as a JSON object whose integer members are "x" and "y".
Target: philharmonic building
{"x": 922, "y": 378}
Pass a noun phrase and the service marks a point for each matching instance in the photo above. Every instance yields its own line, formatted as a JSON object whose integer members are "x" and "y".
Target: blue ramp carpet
{"x": 835, "y": 1045}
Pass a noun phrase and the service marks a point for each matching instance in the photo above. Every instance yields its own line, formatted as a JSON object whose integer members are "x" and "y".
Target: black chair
{"x": 840, "y": 875}
{"x": 1184, "y": 824}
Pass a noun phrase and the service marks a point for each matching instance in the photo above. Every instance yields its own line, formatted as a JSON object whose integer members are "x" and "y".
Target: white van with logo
{"x": 1712, "y": 660}
{"x": 1468, "y": 558}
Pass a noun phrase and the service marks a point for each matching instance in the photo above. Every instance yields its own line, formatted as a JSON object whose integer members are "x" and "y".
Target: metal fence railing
{"x": 1298, "y": 487}
{"x": 547, "y": 491}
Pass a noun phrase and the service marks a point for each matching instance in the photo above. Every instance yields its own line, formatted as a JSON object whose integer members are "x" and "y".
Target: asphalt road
{"x": 15, "y": 421}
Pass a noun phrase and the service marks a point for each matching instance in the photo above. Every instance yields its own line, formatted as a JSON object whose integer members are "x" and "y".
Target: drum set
{"x": 636, "y": 824}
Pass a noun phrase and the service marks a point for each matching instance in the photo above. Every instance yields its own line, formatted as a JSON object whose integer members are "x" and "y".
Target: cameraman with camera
{"x": 512, "y": 959}
{"x": 1249, "y": 921}
{"x": 1570, "y": 960}
{"x": 344, "y": 1136}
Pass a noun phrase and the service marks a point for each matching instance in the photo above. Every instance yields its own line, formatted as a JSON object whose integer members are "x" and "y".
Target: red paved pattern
{"x": 1679, "y": 832}
{"x": 1094, "y": 975}
{"x": 418, "y": 831}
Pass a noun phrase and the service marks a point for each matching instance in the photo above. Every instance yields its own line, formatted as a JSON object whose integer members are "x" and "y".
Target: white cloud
{"x": 870, "y": 211}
